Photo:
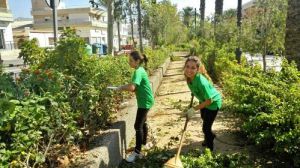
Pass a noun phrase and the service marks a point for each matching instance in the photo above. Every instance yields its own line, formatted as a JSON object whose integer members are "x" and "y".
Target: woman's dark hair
{"x": 141, "y": 57}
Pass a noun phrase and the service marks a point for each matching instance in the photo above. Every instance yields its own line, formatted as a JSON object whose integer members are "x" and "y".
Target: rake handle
{"x": 184, "y": 129}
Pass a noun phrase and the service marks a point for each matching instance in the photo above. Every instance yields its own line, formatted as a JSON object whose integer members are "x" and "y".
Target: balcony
{"x": 6, "y": 15}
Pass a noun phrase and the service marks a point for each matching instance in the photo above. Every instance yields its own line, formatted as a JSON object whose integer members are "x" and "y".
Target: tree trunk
{"x": 238, "y": 51}
{"x": 202, "y": 16}
{"x": 264, "y": 58}
{"x": 218, "y": 14}
{"x": 110, "y": 24}
{"x": 131, "y": 25}
{"x": 292, "y": 38}
{"x": 140, "y": 25}
{"x": 218, "y": 10}
{"x": 119, "y": 35}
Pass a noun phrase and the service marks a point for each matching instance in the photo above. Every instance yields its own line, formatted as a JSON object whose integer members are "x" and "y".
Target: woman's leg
{"x": 139, "y": 127}
{"x": 208, "y": 117}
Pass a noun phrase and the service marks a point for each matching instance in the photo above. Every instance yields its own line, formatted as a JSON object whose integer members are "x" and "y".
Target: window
{"x": 51, "y": 40}
{"x": 1, "y": 39}
{"x": 47, "y": 18}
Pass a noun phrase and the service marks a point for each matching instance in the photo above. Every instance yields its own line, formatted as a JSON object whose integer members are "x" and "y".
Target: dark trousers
{"x": 141, "y": 128}
{"x": 208, "y": 117}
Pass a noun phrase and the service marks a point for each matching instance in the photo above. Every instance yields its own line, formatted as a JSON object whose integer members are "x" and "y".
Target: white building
{"x": 124, "y": 35}
{"x": 23, "y": 30}
{"x": 89, "y": 23}
{"x": 6, "y": 18}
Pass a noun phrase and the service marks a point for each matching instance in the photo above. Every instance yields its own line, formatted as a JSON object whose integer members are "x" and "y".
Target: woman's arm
{"x": 129, "y": 87}
{"x": 203, "y": 105}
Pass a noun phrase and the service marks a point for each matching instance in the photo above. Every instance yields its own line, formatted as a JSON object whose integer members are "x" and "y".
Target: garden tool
{"x": 175, "y": 161}
{"x": 112, "y": 87}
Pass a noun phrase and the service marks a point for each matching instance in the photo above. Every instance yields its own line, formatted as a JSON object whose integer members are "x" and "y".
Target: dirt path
{"x": 166, "y": 120}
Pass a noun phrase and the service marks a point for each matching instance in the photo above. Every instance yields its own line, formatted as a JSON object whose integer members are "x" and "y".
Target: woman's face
{"x": 133, "y": 63}
{"x": 190, "y": 69}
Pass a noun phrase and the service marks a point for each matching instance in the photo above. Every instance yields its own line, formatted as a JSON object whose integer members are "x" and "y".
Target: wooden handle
{"x": 184, "y": 129}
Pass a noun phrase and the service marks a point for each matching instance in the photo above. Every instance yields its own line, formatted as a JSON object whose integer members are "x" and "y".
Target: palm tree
{"x": 110, "y": 23}
{"x": 292, "y": 43}
{"x": 187, "y": 14}
{"x": 118, "y": 17}
{"x": 218, "y": 10}
{"x": 238, "y": 51}
{"x": 129, "y": 12}
{"x": 202, "y": 16}
{"x": 140, "y": 24}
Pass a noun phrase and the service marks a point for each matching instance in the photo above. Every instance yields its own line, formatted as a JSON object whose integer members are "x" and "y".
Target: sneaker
{"x": 148, "y": 146}
{"x": 133, "y": 156}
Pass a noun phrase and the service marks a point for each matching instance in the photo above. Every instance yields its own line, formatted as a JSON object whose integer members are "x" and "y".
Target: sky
{"x": 22, "y": 8}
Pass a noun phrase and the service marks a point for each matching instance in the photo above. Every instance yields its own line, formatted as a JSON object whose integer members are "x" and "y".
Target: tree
{"x": 110, "y": 23}
{"x": 292, "y": 43}
{"x": 162, "y": 24}
{"x": 118, "y": 17}
{"x": 140, "y": 24}
{"x": 187, "y": 14}
{"x": 238, "y": 51}
{"x": 130, "y": 12}
{"x": 218, "y": 10}
{"x": 202, "y": 16}
{"x": 264, "y": 32}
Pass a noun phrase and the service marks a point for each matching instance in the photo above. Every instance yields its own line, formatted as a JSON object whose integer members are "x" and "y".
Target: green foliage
{"x": 267, "y": 103}
{"x": 162, "y": 24}
{"x": 211, "y": 160}
{"x": 31, "y": 126}
{"x": 187, "y": 14}
{"x": 156, "y": 57}
{"x": 7, "y": 86}
{"x": 31, "y": 53}
{"x": 156, "y": 158}
{"x": 69, "y": 52}
{"x": 60, "y": 100}
{"x": 264, "y": 30}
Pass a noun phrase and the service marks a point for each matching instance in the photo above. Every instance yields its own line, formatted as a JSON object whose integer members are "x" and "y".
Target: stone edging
{"x": 110, "y": 148}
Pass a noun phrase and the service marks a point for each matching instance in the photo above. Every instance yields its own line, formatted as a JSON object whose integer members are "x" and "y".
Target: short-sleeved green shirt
{"x": 203, "y": 90}
{"x": 143, "y": 92}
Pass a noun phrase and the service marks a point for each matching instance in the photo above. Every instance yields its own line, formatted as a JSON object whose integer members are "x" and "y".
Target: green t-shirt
{"x": 143, "y": 89}
{"x": 203, "y": 90}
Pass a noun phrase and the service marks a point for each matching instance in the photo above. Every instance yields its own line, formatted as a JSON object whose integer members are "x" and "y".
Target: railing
{"x": 9, "y": 45}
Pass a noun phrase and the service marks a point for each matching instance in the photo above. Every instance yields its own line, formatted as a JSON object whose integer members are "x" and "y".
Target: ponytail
{"x": 145, "y": 61}
{"x": 141, "y": 57}
{"x": 203, "y": 71}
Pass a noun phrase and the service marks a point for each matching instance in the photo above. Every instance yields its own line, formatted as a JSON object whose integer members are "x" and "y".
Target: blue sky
{"x": 22, "y": 8}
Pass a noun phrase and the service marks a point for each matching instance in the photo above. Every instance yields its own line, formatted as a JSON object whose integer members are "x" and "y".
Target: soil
{"x": 166, "y": 119}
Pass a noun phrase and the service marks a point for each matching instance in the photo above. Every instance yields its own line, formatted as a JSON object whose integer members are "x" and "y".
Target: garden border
{"x": 109, "y": 148}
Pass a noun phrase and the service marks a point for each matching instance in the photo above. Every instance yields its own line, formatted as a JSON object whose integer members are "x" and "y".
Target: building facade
{"x": 6, "y": 18}
{"x": 89, "y": 23}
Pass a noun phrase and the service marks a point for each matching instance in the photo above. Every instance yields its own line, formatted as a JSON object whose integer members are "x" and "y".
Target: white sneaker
{"x": 133, "y": 156}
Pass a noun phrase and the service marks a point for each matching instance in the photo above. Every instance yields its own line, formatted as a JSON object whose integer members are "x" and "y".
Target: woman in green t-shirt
{"x": 210, "y": 100}
{"x": 140, "y": 84}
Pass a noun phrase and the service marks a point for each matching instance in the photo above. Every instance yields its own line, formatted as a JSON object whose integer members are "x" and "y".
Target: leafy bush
{"x": 158, "y": 157}
{"x": 59, "y": 101}
{"x": 211, "y": 160}
{"x": 30, "y": 52}
{"x": 29, "y": 127}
